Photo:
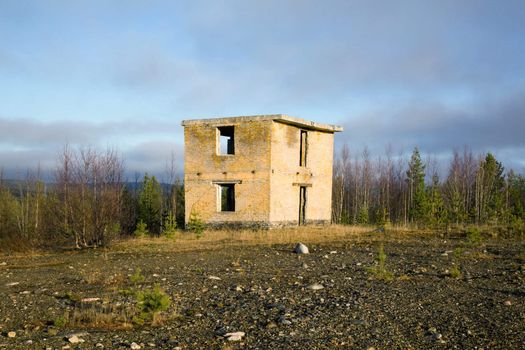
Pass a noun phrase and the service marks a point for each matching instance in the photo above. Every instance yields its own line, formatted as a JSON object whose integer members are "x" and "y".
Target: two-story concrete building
{"x": 258, "y": 171}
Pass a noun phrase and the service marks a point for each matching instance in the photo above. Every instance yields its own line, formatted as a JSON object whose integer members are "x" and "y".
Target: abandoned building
{"x": 258, "y": 171}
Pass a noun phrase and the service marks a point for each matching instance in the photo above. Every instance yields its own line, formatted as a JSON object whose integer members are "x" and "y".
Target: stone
{"x": 271, "y": 325}
{"x": 99, "y": 345}
{"x": 282, "y": 320}
{"x": 3, "y": 263}
{"x": 11, "y": 334}
{"x": 74, "y": 339}
{"x": 89, "y": 300}
{"x": 134, "y": 346}
{"x": 12, "y": 284}
{"x": 315, "y": 286}
{"x": 234, "y": 336}
{"x": 358, "y": 322}
{"x": 305, "y": 265}
{"x": 214, "y": 278}
{"x": 301, "y": 249}
{"x": 507, "y": 303}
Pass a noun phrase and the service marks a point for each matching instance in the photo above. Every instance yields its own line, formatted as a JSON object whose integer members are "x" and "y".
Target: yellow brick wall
{"x": 250, "y": 164}
{"x": 266, "y": 161}
{"x": 284, "y": 196}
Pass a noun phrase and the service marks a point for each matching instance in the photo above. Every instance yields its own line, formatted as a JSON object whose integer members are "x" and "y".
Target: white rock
{"x": 235, "y": 336}
{"x": 214, "y": 278}
{"x": 89, "y": 300}
{"x": 507, "y": 303}
{"x": 134, "y": 346}
{"x": 12, "y": 284}
{"x": 74, "y": 339}
{"x": 315, "y": 286}
{"x": 3, "y": 263}
{"x": 11, "y": 334}
{"x": 301, "y": 249}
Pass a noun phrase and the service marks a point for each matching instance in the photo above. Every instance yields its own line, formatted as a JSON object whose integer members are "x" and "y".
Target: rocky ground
{"x": 431, "y": 293}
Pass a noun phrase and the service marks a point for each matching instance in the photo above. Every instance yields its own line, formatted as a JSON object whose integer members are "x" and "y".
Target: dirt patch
{"x": 441, "y": 293}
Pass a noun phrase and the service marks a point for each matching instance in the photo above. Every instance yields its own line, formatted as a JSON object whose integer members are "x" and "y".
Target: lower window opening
{"x": 227, "y": 197}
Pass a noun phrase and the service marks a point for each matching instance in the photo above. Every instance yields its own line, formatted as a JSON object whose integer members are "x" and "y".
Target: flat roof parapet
{"x": 281, "y": 118}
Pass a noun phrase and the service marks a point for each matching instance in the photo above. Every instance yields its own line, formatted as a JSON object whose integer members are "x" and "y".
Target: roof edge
{"x": 270, "y": 117}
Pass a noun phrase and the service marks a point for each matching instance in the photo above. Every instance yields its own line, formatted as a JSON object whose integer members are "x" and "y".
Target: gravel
{"x": 263, "y": 293}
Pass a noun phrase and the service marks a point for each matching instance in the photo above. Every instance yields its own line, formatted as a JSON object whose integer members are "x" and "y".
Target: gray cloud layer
{"x": 438, "y": 74}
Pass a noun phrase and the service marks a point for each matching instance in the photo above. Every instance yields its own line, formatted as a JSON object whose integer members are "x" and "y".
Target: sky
{"x": 123, "y": 74}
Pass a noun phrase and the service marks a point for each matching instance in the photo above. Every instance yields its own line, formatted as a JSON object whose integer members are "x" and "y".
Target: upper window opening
{"x": 226, "y": 140}
{"x": 304, "y": 148}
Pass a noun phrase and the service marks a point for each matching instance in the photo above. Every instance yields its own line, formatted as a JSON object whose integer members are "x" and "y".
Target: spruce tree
{"x": 418, "y": 208}
{"x": 150, "y": 204}
{"x": 436, "y": 207}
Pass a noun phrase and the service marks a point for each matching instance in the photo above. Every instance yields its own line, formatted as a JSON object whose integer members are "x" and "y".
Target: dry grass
{"x": 212, "y": 239}
{"x": 215, "y": 239}
{"x": 100, "y": 317}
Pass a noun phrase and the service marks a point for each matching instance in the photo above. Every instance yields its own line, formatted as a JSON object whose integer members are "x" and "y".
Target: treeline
{"x": 88, "y": 204}
{"x": 409, "y": 191}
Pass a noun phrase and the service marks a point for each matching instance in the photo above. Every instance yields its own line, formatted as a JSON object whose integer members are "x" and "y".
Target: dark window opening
{"x": 302, "y": 205}
{"x": 226, "y": 140}
{"x": 304, "y": 148}
{"x": 227, "y": 197}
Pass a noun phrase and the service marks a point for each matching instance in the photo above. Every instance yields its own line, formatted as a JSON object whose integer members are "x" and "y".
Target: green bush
{"x": 474, "y": 236}
{"x": 137, "y": 276}
{"x": 379, "y": 270}
{"x": 141, "y": 230}
{"x": 454, "y": 272}
{"x": 150, "y": 303}
{"x": 196, "y": 224}
{"x": 60, "y": 321}
{"x": 170, "y": 226}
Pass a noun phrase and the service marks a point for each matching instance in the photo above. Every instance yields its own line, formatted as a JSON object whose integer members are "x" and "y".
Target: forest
{"x": 89, "y": 202}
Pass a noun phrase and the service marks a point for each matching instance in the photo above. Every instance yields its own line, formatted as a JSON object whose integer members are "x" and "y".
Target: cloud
{"x": 26, "y": 143}
{"x": 437, "y": 74}
{"x": 490, "y": 125}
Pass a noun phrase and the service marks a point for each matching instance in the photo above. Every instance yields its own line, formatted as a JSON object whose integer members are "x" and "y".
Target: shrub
{"x": 151, "y": 302}
{"x": 474, "y": 236}
{"x": 454, "y": 272}
{"x": 137, "y": 276}
{"x": 170, "y": 226}
{"x": 379, "y": 270}
{"x": 60, "y": 321}
{"x": 141, "y": 230}
{"x": 196, "y": 224}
